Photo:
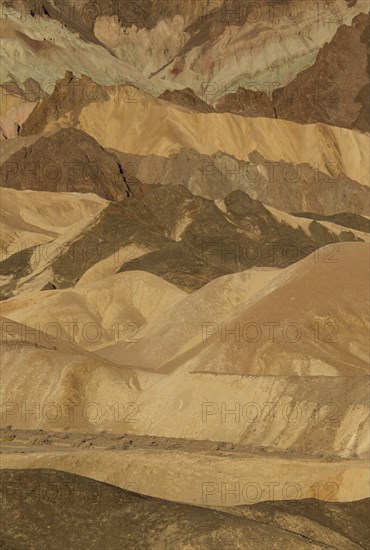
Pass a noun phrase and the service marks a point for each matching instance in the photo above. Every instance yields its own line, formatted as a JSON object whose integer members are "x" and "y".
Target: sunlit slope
{"x": 135, "y": 126}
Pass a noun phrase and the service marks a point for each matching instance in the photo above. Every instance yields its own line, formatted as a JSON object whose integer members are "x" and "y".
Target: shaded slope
{"x": 119, "y": 517}
{"x": 308, "y": 319}
{"x": 299, "y": 343}
{"x": 346, "y": 219}
{"x": 290, "y": 187}
{"x": 136, "y": 119}
{"x": 185, "y": 324}
{"x": 334, "y": 90}
{"x": 145, "y": 118}
{"x": 69, "y": 160}
{"x": 24, "y": 225}
{"x": 212, "y": 241}
{"x": 187, "y": 240}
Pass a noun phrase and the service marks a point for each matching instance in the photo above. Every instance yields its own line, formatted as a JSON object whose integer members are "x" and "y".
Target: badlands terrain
{"x": 184, "y": 274}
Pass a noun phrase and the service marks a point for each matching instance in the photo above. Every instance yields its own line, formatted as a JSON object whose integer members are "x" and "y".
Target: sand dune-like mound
{"x": 170, "y": 233}
{"x": 108, "y": 266}
{"x": 316, "y": 395}
{"x": 249, "y": 319}
{"x": 98, "y": 314}
{"x": 182, "y": 326}
{"x": 314, "y": 323}
{"x": 217, "y": 380}
{"x": 290, "y": 349}
{"x": 184, "y": 274}
{"x": 71, "y": 388}
{"x": 29, "y": 218}
{"x": 120, "y": 230}
{"x": 215, "y": 238}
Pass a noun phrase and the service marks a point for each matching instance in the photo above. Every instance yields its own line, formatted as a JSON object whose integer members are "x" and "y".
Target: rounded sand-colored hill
{"x": 97, "y": 314}
{"x": 314, "y": 323}
{"x": 309, "y": 319}
{"x": 29, "y": 218}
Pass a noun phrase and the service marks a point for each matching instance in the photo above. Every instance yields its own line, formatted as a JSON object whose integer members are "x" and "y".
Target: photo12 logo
{"x": 252, "y": 492}
{"x": 288, "y": 411}
{"x": 240, "y": 12}
{"x": 52, "y": 412}
{"x": 270, "y": 331}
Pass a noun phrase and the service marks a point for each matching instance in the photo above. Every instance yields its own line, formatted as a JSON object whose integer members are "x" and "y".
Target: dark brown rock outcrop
{"x": 189, "y": 241}
{"x": 333, "y": 90}
{"x": 187, "y": 98}
{"x": 69, "y": 160}
{"x": 70, "y": 94}
{"x": 247, "y": 103}
{"x": 287, "y": 186}
{"x": 208, "y": 242}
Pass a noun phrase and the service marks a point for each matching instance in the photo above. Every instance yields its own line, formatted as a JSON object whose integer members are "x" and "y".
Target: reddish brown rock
{"x": 69, "y": 93}
{"x": 187, "y": 98}
{"x": 69, "y": 160}
{"x": 334, "y": 89}
{"x": 247, "y": 103}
